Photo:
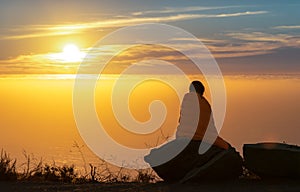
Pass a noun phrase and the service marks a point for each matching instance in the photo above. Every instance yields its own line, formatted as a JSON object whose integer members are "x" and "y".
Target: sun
{"x": 71, "y": 53}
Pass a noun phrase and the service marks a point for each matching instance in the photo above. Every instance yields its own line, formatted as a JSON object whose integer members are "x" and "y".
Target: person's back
{"x": 196, "y": 119}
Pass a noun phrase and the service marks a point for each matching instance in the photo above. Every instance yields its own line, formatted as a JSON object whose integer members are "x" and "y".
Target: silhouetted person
{"x": 220, "y": 161}
{"x": 195, "y": 120}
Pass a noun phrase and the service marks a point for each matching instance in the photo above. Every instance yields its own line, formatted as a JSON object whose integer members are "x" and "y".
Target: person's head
{"x": 197, "y": 86}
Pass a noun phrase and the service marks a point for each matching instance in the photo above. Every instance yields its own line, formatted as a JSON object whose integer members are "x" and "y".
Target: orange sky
{"x": 36, "y": 114}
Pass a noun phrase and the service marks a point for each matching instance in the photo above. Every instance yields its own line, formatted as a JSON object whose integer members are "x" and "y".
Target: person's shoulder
{"x": 190, "y": 98}
{"x": 190, "y": 95}
{"x": 204, "y": 101}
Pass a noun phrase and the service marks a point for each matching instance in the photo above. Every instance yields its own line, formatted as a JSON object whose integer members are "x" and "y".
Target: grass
{"x": 7, "y": 167}
{"x": 35, "y": 170}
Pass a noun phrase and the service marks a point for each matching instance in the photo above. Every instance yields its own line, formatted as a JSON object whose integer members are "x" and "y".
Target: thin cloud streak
{"x": 284, "y": 40}
{"x": 287, "y": 27}
{"x": 43, "y": 63}
{"x": 181, "y": 10}
{"x": 58, "y": 30}
{"x": 35, "y": 35}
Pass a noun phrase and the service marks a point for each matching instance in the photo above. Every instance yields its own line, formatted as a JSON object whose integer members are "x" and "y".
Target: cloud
{"x": 203, "y": 40}
{"x": 227, "y": 48}
{"x": 287, "y": 27}
{"x": 241, "y": 14}
{"x": 253, "y": 43}
{"x": 241, "y": 45}
{"x": 37, "y": 64}
{"x": 181, "y": 10}
{"x": 284, "y": 40}
{"x": 231, "y": 45}
{"x": 40, "y": 34}
{"x": 67, "y": 29}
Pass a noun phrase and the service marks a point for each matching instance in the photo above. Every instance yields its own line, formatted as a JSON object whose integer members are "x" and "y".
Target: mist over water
{"x": 36, "y": 114}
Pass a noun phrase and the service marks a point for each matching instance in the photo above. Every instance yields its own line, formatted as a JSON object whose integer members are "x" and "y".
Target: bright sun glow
{"x": 71, "y": 53}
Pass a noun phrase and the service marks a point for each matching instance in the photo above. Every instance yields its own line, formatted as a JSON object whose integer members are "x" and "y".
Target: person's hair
{"x": 198, "y": 87}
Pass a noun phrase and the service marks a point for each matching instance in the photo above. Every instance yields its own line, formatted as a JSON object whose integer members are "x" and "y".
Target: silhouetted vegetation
{"x": 35, "y": 170}
{"x": 7, "y": 167}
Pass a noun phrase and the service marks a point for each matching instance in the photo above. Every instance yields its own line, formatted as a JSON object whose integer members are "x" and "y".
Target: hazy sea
{"x": 36, "y": 114}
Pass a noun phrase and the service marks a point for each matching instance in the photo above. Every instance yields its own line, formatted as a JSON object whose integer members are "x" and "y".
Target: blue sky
{"x": 244, "y": 36}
